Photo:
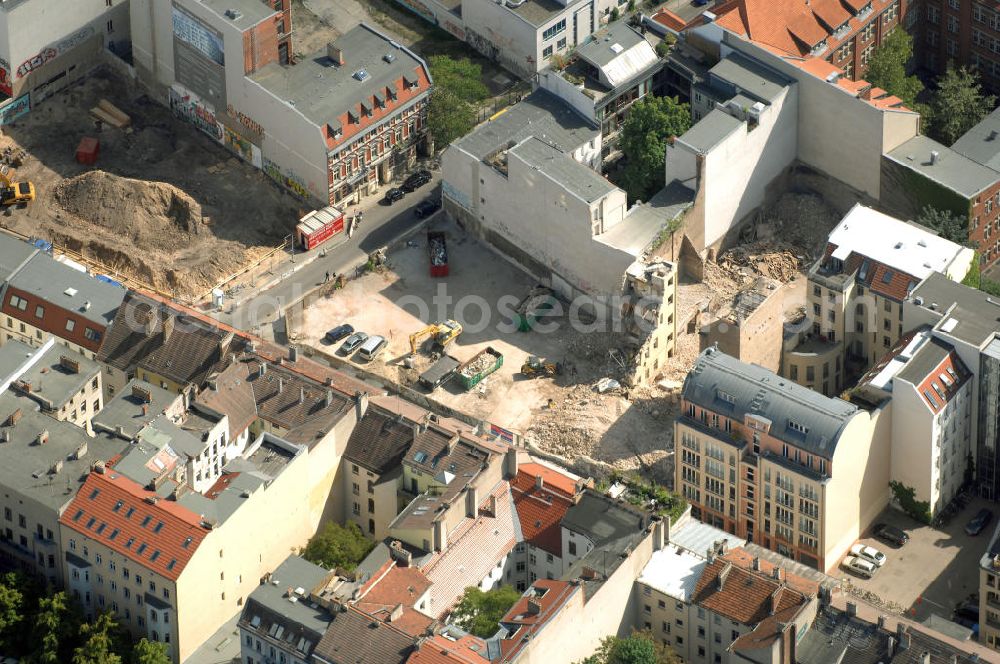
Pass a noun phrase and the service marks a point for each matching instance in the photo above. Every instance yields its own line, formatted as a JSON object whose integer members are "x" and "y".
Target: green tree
{"x": 480, "y": 612}
{"x": 150, "y": 652}
{"x": 650, "y": 123}
{"x": 338, "y": 546}
{"x": 11, "y": 611}
{"x": 448, "y": 117}
{"x": 56, "y": 623}
{"x": 958, "y": 104}
{"x": 639, "y": 648}
{"x": 973, "y": 277}
{"x": 615, "y": 14}
{"x": 949, "y": 226}
{"x": 887, "y": 68}
{"x": 664, "y": 47}
{"x": 461, "y": 76}
{"x": 98, "y": 645}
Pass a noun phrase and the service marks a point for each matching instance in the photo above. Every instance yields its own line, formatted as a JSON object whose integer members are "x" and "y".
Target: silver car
{"x": 352, "y": 342}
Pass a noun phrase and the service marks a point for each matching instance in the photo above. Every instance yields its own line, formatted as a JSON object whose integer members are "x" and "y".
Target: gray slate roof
{"x": 538, "y": 12}
{"x": 951, "y": 169}
{"x": 50, "y": 280}
{"x": 977, "y": 314}
{"x": 13, "y": 253}
{"x": 125, "y": 410}
{"x": 981, "y": 144}
{"x": 710, "y": 131}
{"x": 540, "y": 114}
{"x": 55, "y": 384}
{"x": 28, "y": 468}
{"x": 323, "y": 92}
{"x": 576, "y": 178}
{"x": 596, "y": 50}
{"x": 251, "y": 12}
{"x": 930, "y": 355}
{"x": 269, "y": 611}
{"x": 760, "y": 392}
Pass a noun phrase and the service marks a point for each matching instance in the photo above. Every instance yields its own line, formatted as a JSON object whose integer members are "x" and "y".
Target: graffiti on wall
{"x": 6, "y": 80}
{"x": 190, "y": 108}
{"x": 457, "y": 31}
{"x": 242, "y": 147}
{"x": 15, "y": 109}
{"x": 53, "y": 51}
{"x": 246, "y": 121}
{"x": 420, "y": 9}
{"x": 288, "y": 180}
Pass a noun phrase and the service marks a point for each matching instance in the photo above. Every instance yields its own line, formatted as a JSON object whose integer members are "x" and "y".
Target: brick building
{"x": 844, "y": 33}
{"x": 964, "y": 32}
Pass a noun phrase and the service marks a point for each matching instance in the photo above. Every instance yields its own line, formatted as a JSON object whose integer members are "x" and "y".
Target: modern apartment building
{"x": 776, "y": 463}
{"x": 989, "y": 593}
{"x": 844, "y": 34}
{"x": 603, "y": 78}
{"x": 931, "y": 393}
{"x": 966, "y": 319}
{"x": 856, "y": 290}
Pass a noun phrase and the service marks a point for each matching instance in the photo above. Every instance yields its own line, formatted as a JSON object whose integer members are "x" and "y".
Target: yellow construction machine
{"x": 441, "y": 334}
{"x": 535, "y": 366}
{"x": 14, "y": 193}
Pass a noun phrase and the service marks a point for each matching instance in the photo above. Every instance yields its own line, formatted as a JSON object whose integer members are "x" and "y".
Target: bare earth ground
{"x": 606, "y": 427}
{"x": 194, "y": 213}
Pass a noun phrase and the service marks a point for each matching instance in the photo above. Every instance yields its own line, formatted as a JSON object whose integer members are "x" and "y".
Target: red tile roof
{"x": 399, "y": 586}
{"x": 541, "y": 602}
{"x": 743, "y": 596}
{"x": 112, "y": 509}
{"x": 541, "y": 510}
{"x": 743, "y": 558}
{"x": 951, "y": 368}
{"x": 440, "y": 649}
{"x": 404, "y": 96}
{"x": 669, "y": 20}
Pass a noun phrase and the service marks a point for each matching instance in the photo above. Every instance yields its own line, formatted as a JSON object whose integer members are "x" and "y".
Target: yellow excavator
{"x": 535, "y": 366}
{"x": 442, "y": 334}
{"x": 14, "y": 193}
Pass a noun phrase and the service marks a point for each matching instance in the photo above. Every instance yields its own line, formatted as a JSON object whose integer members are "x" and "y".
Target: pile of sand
{"x": 150, "y": 215}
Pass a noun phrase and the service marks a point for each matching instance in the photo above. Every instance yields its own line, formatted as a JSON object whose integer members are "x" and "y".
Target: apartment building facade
{"x": 989, "y": 593}
{"x": 931, "y": 393}
{"x": 963, "y": 33}
{"x": 855, "y": 295}
{"x": 844, "y": 34}
{"x": 776, "y": 463}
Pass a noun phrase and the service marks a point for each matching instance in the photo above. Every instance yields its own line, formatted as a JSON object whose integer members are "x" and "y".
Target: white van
{"x": 372, "y": 348}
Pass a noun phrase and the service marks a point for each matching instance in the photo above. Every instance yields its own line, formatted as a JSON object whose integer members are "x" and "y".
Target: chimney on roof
{"x": 471, "y": 502}
{"x": 13, "y": 418}
{"x": 142, "y": 394}
{"x": 402, "y": 557}
{"x": 723, "y": 575}
{"x": 80, "y": 452}
{"x": 881, "y": 621}
{"x": 491, "y": 505}
{"x": 993, "y": 135}
{"x": 934, "y": 156}
{"x": 925, "y": 657}
{"x": 852, "y": 609}
{"x": 890, "y": 647}
{"x": 588, "y": 573}
{"x": 86, "y": 306}
{"x": 100, "y": 467}
{"x": 510, "y": 462}
{"x": 328, "y": 398}
{"x": 145, "y": 409}
{"x": 262, "y": 370}
{"x": 281, "y": 385}
{"x": 293, "y": 354}
{"x": 56, "y": 467}
{"x": 397, "y": 613}
{"x": 710, "y": 554}
{"x": 756, "y": 563}
{"x": 539, "y": 482}
{"x": 360, "y": 404}
{"x": 4, "y": 436}
{"x": 440, "y": 535}
{"x": 302, "y": 395}
{"x": 534, "y": 607}
{"x": 69, "y": 364}
{"x": 168, "y": 326}
{"x": 778, "y": 573}
{"x": 43, "y": 437}
{"x": 335, "y": 54}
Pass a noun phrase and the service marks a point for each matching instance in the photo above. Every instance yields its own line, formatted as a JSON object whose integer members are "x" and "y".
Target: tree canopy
{"x": 887, "y": 68}
{"x": 949, "y": 226}
{"x": 97, "y": 646}
{"x": 639, "y": 648}
{"x": 458, "y": 88}
{"x": 650, "y": 123}
{"x": 958, "y": 104}
{"x": 338, "y": 546}
{"x": 150, "y": 652}
{"x": 480, "y": 612}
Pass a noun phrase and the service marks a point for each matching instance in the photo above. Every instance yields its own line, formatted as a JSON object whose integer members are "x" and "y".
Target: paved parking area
{"x": 935, "y": 570}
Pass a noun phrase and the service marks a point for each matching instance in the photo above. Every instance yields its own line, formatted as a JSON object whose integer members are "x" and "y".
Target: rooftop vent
{"x": 389, "y": 57}
{"x": 934, "y": 156}
{"x": 70, "y": 292}
{"x": 361, "y": 75}
{"x": 234, "y": 14}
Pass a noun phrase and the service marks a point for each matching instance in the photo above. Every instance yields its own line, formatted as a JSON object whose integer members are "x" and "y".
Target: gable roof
{"x": 450, "y": 648}
{"x": 161, "y": 535}
{"x": 379, "y": 441}
{"x": 359, "y": 639}
{"x": 540, "y": 509}
{"x": 229, "y": 393}
{"x": 399, "y": 587}
{"x": 981, "y": 144}
{"x": 742, "y": 595}
{"x": 539, "y": 604}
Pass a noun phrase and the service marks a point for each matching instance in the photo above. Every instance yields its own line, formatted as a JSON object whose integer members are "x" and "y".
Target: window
{"x": 547, "y": 52}
{"x": 70, "y": 325}
{"x": 18, "y": 302}
{"x": 39, "y": 311}
{"x": 572, "y": 548}
{"x": 554, "y": 30}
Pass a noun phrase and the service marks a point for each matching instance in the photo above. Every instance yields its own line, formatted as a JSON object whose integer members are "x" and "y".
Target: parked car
{"x": 979, "y": 522}
{"x": 416, "y": 180}
{"x": 427, "y": 207}
{"x": 393, "y": 195}
{"x": 338, "y": 333}
{"x": 352, "y": 343}
{"x": 700, "y": 3}
{"x": 859, "y": 566}
{"x": 967, "y": 611}
{"x": 890, "y": 534}
{"x": 869, "y": 553}
{"x": 372, "y": 347}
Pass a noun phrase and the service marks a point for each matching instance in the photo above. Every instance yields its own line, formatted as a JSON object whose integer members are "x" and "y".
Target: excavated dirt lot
{"x": 164, "y": 204}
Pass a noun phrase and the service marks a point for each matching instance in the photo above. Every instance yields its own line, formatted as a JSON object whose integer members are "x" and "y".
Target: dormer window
{"x": 818, "y": 48}
{"x": 353, "y": 117}
{"x": 390, "y": 93}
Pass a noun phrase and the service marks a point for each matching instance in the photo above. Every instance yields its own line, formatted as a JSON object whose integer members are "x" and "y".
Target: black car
{"x": 890, "y": 534}
{"x": 338, "y": 333}
{"x": 979, "y": 522}
{"x": 967, "y": 611}
{"x": 427, "y": 207}
{"x": 393, "y": 195}
{"x": 416, "y": 180}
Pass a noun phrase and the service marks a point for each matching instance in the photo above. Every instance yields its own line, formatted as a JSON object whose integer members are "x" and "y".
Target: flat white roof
{"x": 674, "y": 571}
{"x": 892, "y": 242}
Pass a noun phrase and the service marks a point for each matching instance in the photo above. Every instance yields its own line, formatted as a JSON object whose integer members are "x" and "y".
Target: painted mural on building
{"x": 15, "y": 109}
{"x": 53, "y": 51}
{"x": 191, "y": 108}
{"x": 288, "y": 180}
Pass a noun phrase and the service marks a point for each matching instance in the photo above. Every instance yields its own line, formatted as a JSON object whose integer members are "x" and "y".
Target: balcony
{"x": 993, "y": 600}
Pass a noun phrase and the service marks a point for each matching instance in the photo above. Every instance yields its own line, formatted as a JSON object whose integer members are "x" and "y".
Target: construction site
{"x": 163, "y": 205}
{"x": 586, "y": 411}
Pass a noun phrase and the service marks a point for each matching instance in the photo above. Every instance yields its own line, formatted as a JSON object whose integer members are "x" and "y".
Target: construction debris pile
{"x": 439, "y": 255}
{"x": 478, "y": 364}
